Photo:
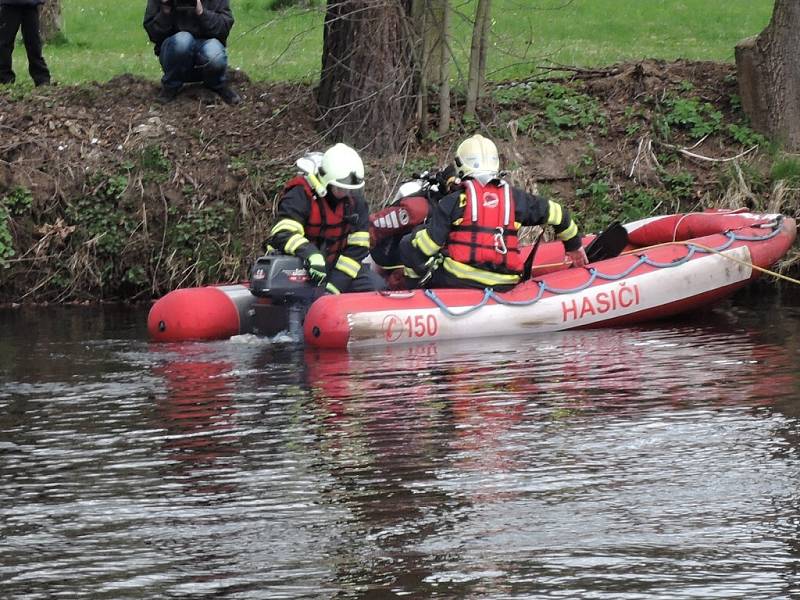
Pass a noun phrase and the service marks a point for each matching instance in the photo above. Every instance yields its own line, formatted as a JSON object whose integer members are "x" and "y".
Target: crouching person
{"x": 189, "y": 38}
{"x": 323, "y": 218}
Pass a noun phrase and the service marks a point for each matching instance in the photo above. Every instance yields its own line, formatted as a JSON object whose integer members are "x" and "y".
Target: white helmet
{"x": 342, "y": 167}
{"x": 409, "y": 188}
{"x": 477, "y": 156}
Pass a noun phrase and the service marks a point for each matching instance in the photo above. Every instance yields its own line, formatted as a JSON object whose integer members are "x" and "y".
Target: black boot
{"x": 228, "y": 95}
{"x": 167, "y": 94}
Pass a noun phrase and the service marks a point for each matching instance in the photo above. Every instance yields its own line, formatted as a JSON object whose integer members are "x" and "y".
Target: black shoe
{"x": 7, "y": 81}
{"x": 41, "y": 83}
{"x": 228, "y": 95}
{"x": 167, "y": 94}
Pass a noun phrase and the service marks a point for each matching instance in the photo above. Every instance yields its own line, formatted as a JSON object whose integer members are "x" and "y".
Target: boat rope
{"x": 487, "y": 294}
{"x": 776, "y": 227}
{"x": 692, "y": 249}
{"x": 747, "y": 264}
{"x": 686, "y": 216}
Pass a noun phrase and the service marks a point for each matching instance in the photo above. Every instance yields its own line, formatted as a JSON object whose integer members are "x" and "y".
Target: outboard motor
{"x": 286, "y": 291}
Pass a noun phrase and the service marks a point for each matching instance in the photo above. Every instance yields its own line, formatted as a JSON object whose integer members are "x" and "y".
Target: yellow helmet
{"x": 477, "y": 155}
{"x": 342, "y": 167}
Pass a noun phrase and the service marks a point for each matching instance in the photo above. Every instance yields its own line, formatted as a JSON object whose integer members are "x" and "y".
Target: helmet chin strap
{"x": 316, "y": 184}
{"x": 308, "y": 165}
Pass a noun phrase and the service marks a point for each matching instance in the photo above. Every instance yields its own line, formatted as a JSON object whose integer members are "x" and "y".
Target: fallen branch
{"x": 645, "y": 150}
{"x": 696, "y": 156}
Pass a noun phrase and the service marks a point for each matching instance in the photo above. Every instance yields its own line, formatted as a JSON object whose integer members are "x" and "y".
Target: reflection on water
{"x": 198, "y": 416}
{"x": 656, "y": 462}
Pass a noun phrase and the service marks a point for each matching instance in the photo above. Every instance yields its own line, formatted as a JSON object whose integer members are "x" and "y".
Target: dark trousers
{"x": 386, "y": 253}
{"x": 367, "y": 280}
{"x": 11, "y": 19}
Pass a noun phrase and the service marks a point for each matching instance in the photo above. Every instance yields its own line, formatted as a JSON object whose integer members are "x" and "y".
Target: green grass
{"x": 105, "y": 38}
{"x": 602, "y": 32}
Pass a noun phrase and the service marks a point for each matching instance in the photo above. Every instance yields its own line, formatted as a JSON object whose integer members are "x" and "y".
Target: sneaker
{"x": 228, "y": 95}
{"x": 167, "y": 94}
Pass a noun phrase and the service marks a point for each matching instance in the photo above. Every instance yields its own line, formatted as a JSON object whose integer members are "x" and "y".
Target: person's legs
{"x": 37, "y": 67}
{"x": 10, "y": 19}
{"x": 212, "y": 62}
{"x": 386, "y": 253}
{"x": 177, "y": 60}
{"x": 367, "y": 280}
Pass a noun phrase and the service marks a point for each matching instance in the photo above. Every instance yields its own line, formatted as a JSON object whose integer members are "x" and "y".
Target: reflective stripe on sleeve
{"x": 359, "y": 238}
{"x": 425, "y": 244}
{"x": 288, "y": 225}
{"x": 294, "y": 243}
{"x": 569, "y": 233}
{"x": 554, "y": 213}
{"x": 348, "y": 266}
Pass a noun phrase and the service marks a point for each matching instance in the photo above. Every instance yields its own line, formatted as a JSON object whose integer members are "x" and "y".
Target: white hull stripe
{"x": 560, "y": 311}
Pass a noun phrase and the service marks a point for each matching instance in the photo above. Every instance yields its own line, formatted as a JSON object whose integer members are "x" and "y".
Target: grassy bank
{"x": 105, "y": 38}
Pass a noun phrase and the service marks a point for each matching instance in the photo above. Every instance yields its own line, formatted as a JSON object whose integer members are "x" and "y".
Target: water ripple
{"x": 638, "y": 463}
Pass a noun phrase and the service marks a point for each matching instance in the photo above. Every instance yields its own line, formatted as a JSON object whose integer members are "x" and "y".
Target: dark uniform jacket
{"x": 215, "y": 22}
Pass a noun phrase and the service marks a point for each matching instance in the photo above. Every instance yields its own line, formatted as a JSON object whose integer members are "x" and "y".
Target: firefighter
{"x": 323, "y": 218}
{"x": 470, "y": 239}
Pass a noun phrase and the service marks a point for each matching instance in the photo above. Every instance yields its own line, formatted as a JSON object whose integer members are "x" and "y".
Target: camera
{"x": 184, "y": 4}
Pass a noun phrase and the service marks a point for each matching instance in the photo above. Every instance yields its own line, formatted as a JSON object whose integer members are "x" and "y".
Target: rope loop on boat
{"x": 487, "y": 293}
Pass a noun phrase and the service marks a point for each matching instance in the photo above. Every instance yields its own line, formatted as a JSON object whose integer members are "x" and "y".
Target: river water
{"x": 652, "y": 462}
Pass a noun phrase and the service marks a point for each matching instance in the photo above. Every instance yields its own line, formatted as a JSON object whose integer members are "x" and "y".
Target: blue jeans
{"x": 185, "y": 58}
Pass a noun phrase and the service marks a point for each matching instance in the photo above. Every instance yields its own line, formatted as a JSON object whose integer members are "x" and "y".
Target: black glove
{"x": 445, "y": 177}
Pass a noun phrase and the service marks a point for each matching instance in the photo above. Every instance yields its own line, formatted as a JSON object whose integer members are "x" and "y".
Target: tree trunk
{"x": 477, "y": 55}
{"x": 444, "y": 72}
{"x": 51, "y": 21}
{"x": 367, "y": 91}
{"x": 769, "y": 76}
{"x": 428, "y": 18}
{"x": 431, "y": 18}
{"x": 419, "y": 15}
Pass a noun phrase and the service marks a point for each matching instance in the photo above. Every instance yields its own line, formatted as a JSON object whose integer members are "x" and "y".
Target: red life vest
{"x": 486, "y": 238}
{"x": 327, "y": 228}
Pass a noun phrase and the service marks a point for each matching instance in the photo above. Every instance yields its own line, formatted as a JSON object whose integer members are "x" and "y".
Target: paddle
{"x": 608, "y": 243}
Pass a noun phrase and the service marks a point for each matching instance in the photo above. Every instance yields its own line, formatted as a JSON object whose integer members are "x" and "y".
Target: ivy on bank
{"x": 156, "y": 220}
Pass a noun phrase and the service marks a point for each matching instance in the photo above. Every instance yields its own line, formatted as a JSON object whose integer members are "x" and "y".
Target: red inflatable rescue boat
{"x": 672, "y": 264}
